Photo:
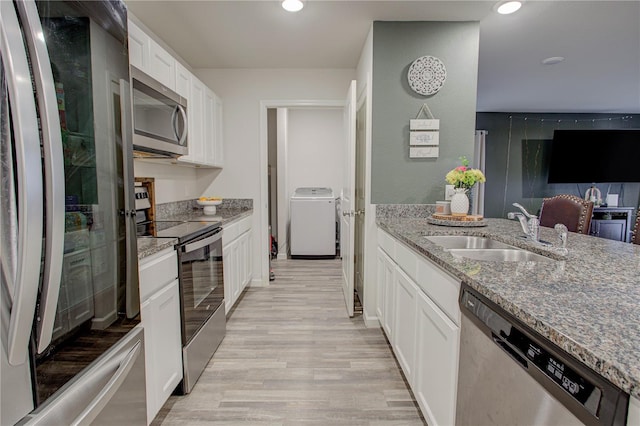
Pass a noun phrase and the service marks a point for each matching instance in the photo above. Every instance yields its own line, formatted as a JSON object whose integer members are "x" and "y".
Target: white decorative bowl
{"x": 209, "y": 206}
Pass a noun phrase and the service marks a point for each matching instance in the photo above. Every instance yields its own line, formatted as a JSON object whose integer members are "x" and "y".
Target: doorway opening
{"x": 304, "y": 151}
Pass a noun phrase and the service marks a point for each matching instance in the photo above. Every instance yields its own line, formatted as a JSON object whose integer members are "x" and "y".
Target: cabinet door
{"x": 389, "y": 296}
{"x": 183, "y": 81}
{"x": 611, "y": 229}
{"x": 163, "y": 346}
{"x": 436, "y": 369}
{"x": 249, "y": 261}
{"x": 244, "y": 254}
{"x": 219, "y": 138}
{"x": 236, "y": 271}
{"x": 380, "y": 275}
{"x": 138, "y": 47}
{"x": 195, "y": 114}
{"x": 162, "y": 66}
{"x": 404, "y": 323}
{"x": 209, "y": 127}
{"x": 227, "y": 267}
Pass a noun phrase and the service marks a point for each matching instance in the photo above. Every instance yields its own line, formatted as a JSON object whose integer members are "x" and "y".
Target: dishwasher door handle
{"x": 512, "y": 352}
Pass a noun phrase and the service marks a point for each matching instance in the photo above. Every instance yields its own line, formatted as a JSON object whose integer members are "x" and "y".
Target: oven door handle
{"x": 202, "y": 243}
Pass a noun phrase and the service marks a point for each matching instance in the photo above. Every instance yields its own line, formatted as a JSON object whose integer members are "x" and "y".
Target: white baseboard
{"x": 282, "y": 256}
{"x": 259, "y": 282}
{"x": 370, "y": 321}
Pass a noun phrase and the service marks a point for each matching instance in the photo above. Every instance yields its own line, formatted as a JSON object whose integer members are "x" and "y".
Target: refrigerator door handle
{"x": 53, "y": 170}
{"x": 98, "y": 403}
{"x": 132, "y": 288}
{"x": 29, "y": 184}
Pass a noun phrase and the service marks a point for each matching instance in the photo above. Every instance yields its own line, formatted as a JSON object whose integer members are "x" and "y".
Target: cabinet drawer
{"x": 407, "y": 259}
{"x": 441, "y": 287}
{"x": 233, "y": 230}
{"x": 157, "y": 271}
{"x": 387, "y": 243}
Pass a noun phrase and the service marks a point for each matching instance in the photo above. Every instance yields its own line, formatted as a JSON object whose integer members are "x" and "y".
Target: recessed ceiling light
{"x": 552, "y": 60}
{"x": 507, "y": 7}
{"x": 292, "y": 5}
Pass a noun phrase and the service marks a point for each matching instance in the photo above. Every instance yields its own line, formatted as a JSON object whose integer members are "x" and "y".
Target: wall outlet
{"x": 448, "y": 192}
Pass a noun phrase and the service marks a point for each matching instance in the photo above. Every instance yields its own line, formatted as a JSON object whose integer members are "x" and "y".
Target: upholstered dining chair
{"x": 573, "y": 212}
{"x": 635, "y": 238}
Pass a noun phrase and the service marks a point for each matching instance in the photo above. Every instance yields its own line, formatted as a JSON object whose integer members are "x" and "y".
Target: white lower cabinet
{"x": 418, "y": 312}
{"x": 435, "y": 377}
{"x": 160, "y": 312}
{"x": 236, "y": 260}
{"x": 389, "y": 296}
{"x": 406, "y": 292}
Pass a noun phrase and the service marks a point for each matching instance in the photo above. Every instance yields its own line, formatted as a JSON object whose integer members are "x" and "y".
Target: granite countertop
{"x": 148, "y": 246}
{"x": 588, "y": 302}
{"x": 224, "y": 216}
{"x": 151, "y": 245}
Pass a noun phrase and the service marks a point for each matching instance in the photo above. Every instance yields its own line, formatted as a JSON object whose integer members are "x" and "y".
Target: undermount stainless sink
{"x": 500, "y": 255}
{"x": 481, "y": 248}
{"x": 466, "y": 242}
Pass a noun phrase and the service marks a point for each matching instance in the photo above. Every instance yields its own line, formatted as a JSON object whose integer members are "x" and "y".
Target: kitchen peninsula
{"x": 586, "y": 302}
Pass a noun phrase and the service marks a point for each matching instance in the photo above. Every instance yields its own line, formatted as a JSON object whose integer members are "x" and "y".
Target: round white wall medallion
{"x": 427, "y": 75}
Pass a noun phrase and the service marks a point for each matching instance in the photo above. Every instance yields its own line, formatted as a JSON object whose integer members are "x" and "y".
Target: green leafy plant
{"x": 464, "y": 176}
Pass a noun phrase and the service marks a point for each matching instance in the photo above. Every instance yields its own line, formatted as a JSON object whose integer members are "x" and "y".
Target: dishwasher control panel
{"x": 570, "y": 380}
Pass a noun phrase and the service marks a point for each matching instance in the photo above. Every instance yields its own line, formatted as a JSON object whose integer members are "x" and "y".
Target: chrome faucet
{"x": 562, "y": 233}
{"x": 529, "y": 222}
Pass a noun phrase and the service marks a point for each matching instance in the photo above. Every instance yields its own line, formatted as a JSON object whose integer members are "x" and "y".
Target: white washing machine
{"x": 313, "y": 222}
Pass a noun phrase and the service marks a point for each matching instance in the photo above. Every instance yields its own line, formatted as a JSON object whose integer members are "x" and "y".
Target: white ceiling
{"x": 599, "y": 39}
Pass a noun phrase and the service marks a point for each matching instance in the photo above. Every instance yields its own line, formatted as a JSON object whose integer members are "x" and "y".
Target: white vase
{"x": 460, "y": 202}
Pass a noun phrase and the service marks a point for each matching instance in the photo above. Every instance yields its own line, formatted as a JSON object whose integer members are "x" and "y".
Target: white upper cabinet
{"x": 204, "y": 107}
{"x": 217, "y": 130}
{"x": 138, "y": 47}
{"x": 149, "y": 57}
{"x": 195, "y": 117}
{"x": 162, "y": 66}
{"x": 183, "y": 81}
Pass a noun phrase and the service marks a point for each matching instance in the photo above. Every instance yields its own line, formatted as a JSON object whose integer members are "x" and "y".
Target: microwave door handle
{"x": 183, "y": 114}
{"x": 53, "y": 170}
{"x": 174, "y": 117}
{"x": 132, "y": 293}
{"x": 29, "y": 184}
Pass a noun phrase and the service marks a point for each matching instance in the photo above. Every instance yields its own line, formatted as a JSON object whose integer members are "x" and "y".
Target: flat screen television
{"x": 598, "y": 155}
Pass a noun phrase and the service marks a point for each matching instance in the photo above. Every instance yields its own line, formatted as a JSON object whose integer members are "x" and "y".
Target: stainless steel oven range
{"x": 201, "y": 292}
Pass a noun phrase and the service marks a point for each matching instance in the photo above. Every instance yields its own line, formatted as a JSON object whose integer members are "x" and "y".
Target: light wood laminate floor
{"x": 291, "y": 356}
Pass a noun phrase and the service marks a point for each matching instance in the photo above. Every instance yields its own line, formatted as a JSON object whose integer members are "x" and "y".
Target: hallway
{"x": 291, "y": 356}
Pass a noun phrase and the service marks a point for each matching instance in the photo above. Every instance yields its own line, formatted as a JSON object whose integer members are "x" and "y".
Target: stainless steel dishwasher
{"x": 510, "y": 375}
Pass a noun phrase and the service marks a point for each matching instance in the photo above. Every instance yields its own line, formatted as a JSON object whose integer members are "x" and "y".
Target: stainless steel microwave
{"x": 159, "y": 118}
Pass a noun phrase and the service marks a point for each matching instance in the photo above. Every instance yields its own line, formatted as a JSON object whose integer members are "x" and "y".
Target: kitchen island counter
{"x": 586, "y": 302}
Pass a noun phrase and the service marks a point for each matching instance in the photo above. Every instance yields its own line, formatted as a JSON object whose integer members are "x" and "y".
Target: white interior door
{"x": 348, "y": 198}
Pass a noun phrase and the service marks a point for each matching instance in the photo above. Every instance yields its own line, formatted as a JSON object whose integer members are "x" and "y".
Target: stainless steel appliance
{"x": 72, "y": 347}
{"x": 201, "y": 291}
{"x": 510, "y": 375}
{"x": 159, "y": 118}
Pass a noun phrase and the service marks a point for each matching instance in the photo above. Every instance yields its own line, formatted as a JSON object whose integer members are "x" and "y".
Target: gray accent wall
{"x": 517, "y": 158}
{"x": 396, "y": 178}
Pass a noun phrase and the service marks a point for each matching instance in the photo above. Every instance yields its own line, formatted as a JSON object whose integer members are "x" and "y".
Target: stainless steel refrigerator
{"x": 72, "y": 343}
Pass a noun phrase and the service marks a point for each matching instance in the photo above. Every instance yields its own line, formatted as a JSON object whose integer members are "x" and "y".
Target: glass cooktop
{"x": 183, "y": 231}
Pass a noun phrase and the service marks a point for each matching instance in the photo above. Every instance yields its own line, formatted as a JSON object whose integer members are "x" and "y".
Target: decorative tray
{"x": 449, "y": 220}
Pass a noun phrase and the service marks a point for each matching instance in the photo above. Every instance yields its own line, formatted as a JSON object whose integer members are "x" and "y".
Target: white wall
{"x": 242, "y": 91}
{"x": 172, "y": 182}
{"x": 315, "y": 149}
